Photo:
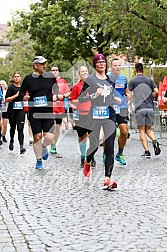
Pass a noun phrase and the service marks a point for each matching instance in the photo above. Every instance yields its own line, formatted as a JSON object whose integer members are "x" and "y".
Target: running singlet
{"x": 59, "y": 106}
{"x": 120, "y": 86}
{"x": 82, "y": 108}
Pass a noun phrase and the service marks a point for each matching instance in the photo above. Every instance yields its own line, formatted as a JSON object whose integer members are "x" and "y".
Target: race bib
{"x": 117, "y": 109}
{"x": 100, "y": 112}
{"x": 76, "y": 115}
{"x": 40, "y": 101}
{"x": 18, "y": 105}
{"x": 119, "y": 85}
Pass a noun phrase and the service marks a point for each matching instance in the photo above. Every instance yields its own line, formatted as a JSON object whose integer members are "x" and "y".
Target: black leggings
{"x": 109, "y": 129}
{"x": 16, "y": 117}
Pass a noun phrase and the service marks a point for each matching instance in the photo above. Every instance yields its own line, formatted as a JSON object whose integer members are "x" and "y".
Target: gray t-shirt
{"x": 142, "y": 88}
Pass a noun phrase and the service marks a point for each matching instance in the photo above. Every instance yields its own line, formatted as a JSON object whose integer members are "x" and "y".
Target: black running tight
{"x": 109, "y": 129}
{"x": 16, "y": 117}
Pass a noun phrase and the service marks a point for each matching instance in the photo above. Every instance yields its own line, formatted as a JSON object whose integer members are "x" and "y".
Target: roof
{"x": 4, "y": 29}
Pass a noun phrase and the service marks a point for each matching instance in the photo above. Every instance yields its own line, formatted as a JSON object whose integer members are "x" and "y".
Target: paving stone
{"x": 58, "y": 209}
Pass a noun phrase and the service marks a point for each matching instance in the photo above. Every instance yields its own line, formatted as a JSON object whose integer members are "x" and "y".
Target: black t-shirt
{"x": 39, "y": 86}
{"x": 12, "y": 90}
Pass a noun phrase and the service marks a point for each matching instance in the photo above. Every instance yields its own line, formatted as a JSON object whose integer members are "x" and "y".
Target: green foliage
{"x": 67, "y": 30}
{"x": 19, "y": 58}
{"x": 158, "y": 72}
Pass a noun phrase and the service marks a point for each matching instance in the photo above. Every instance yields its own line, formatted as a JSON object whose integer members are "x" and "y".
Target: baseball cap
{"x": 98, "y": 57}
{"x": 39, "y": 59}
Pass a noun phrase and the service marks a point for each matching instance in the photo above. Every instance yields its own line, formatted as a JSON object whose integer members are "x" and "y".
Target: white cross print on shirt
{"x": 106, "y": 91}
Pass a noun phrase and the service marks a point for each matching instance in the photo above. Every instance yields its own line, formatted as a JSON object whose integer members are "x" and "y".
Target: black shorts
{"x": 5, "y": 115}
{"x": 81, "y": 131}
{"x": 122, "y": 117}
{"x": 58, "y": 121}
{"x": 70, "y": 113}
{"x": 41, "y": 125}
{"x": 58, "y": 118}
{"x": 82, "y": 126}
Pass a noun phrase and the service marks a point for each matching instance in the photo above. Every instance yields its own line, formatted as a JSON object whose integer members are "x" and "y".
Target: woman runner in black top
{"x": 15, "y": 111}
{"x": 102, "y": 114}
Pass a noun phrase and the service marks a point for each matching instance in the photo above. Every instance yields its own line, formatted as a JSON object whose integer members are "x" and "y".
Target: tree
{"x": 68, "y": 30}
{"x": 19, "y": 58}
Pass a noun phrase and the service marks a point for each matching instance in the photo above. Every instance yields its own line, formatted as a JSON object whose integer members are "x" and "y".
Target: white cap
{"x": 39, "y": 59}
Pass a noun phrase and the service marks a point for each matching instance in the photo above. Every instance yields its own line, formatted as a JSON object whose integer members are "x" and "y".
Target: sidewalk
{"x": 58, "y": 209}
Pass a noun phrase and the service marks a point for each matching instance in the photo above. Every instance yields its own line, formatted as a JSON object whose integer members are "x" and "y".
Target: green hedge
{"x": 159, "y": 73}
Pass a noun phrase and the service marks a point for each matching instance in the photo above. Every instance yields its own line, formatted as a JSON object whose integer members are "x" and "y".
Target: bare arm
{"x": 11, "y": 98}
{"x": 155, "y": 93}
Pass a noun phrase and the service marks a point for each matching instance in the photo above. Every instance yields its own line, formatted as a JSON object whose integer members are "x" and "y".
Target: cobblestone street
{"x": 58, "y": 209}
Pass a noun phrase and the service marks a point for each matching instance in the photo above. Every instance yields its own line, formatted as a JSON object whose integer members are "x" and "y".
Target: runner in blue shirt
{"x": 122, "y": 109}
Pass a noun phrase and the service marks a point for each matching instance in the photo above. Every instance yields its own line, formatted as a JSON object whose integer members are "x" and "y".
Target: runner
{"x": 143, "y": 90}
{"x": 4, "y": 120}
{"x": 122, "y": 109}
{"x": 15, "y": 111}
{"x": 42, "y": 88}
{"x": 100, "y": 89}
{"x": 80, "y": 113}
{"x": 59, "y": 107}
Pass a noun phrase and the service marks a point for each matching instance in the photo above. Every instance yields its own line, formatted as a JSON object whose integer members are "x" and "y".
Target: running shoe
{"x": 93, "y": 162}
{"x": 11, "y": 147}
{"x": 108, "y": 184}
{"x": 120, "y": 158}
{"x": 39, "y": 165}
{"x": 146, "y": 154}
{"x": 4, "y": 139}
{"x": 82, "y": 163}
{"x": 157, "y": 150}
{"x": 45, "y": 154}
{"x": 53, "y": 150}
{"x": 87, "y": 169}
{"x": 22, "y": 150}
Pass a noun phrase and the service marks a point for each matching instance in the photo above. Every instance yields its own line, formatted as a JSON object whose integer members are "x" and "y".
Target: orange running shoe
{"x": 86, "y": 169}
{"x": 108, "y": 184}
